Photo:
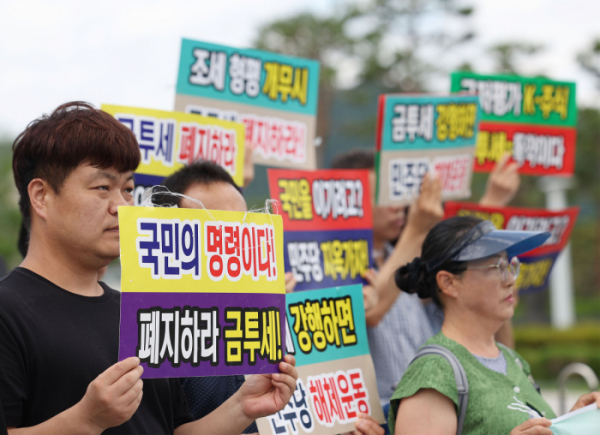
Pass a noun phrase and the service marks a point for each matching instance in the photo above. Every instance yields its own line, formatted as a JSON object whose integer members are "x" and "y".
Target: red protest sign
{"x": 328, "y": 225}
{"x": 536, "y": 264}
{"x": 537, "y": 150}
{"x": 332, "y": 199}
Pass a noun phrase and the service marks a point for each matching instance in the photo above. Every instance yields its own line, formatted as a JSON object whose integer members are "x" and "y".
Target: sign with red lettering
{"x": 417, "y": 134}
{"x": 328, "y": 224}
{"x": 537, "y": 264}
{"x": 533, "y": 118}
{"x": 327, "y": 334}
{"x": 274, "y": 96}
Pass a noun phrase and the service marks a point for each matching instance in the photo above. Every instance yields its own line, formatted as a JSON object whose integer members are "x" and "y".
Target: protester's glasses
{"x": 504, "y": 267}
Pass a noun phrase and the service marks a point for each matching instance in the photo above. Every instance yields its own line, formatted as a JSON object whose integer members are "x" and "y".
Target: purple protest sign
{"x": 203, "y": 293}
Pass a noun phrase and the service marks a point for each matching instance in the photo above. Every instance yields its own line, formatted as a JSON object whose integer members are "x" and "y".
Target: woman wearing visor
{"x": 469, "y": 268}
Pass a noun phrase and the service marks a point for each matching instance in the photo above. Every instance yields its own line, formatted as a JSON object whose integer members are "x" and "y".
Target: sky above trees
{"x": 127, "y": 52}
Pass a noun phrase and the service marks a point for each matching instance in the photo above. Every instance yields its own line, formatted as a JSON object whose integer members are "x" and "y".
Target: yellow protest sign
{"x": 173, "y": 250}
{"x": 170, "y": 140}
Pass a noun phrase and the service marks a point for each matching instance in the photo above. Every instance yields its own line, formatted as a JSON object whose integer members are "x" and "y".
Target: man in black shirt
{"x": 59, "y": 327}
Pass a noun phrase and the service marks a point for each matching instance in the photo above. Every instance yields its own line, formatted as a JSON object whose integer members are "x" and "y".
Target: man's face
{"x": 83, "y": 218}
{"x": 388, "y": 221}
{"x": 214, "y": 196}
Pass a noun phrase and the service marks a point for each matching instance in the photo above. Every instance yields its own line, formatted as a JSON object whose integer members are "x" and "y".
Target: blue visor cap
{"x": 485, "y": 240}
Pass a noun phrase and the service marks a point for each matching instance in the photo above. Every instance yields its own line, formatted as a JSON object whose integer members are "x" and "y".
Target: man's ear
{"x": 38, "y": 191}
{"x": 447, "y": 282}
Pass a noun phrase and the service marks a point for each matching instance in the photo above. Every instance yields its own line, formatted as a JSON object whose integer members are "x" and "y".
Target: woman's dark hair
{"x": 415, "y": 277}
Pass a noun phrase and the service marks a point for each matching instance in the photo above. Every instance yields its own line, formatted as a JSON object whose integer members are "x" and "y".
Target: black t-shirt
{"x": 53, "y": 343}
{"x": 2, "y": 423}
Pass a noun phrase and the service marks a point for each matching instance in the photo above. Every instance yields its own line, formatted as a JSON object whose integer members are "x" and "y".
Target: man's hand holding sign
{"x": 185, "y": 314}
{"x": 336, "y": 389}
{"x": 260, "y": 395}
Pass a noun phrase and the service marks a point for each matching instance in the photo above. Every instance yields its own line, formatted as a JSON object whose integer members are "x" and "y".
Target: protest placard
{"x": 170, "y": 140}
{"x": 328, "y": 225}
{"x": 327, "y": 334}
{"x": 583, "y": 421}
{"x": 417, "y": 134}
{"x": 533, "y": 118}
{"x": 203, "y": 292}
{"x": 274, "y": 96}
{"x": 536, "y": 265}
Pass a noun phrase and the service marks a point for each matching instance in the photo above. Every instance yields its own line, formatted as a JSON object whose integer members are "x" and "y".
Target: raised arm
{"x": 423, "y": 215}
{"x": 503, "y": 183}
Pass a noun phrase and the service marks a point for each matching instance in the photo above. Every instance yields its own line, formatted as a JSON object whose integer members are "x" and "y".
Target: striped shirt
{"x": 395, "y": 341}
{"x": 397, "y": 338}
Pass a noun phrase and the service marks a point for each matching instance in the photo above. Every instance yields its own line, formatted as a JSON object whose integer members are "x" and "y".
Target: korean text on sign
{"x": 531, "y": 100}
{"x": 323, "y": 323}
{"x": 274, "y": 96}
{"x": 338, "y": 396}
{"x": 170, "y": 140}
{"x": 326, "y": 324}
{"x": 203, "y": 292}
{"x": 328, "y": 220}
{"x": 327, "y": 334}
{"x": 418, "y": 134}
{"x": 425, "y": 122}
{"x": 532, "y": 118}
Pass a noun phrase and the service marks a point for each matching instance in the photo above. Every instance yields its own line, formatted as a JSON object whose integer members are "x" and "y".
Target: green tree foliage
{"x": 10, "y": 218}
{"x": 507, "y": 55}
{"x": 394, "y": 43}
{"x": 386, "y": 40}
{"x": 586, "y": 235}
{"x": 589, "y": 60}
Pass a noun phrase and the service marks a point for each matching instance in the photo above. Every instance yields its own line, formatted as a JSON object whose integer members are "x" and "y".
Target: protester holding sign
{"x": 207, "y": 185}
{"x": 457, "y": 269}
{"x": 59, "y": 326}
{"x": 399, "y": 325}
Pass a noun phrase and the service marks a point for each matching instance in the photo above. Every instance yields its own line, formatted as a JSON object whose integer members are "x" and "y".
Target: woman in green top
{"x": 469, "y": 269}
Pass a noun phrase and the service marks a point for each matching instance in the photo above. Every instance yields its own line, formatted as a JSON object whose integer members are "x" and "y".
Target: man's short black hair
{"x": 355, "y": 159}
{"x": 202, "y": 172}
{"x": 76, "y": 133}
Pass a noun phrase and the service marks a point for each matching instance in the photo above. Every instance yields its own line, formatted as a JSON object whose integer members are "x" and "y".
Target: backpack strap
{"x": 462, "y": 385}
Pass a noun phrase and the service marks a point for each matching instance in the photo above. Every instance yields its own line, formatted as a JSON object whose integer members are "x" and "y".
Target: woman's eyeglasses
{"x": 504, "y": 267}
